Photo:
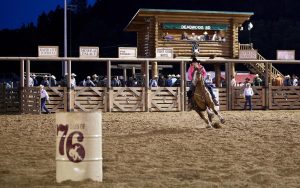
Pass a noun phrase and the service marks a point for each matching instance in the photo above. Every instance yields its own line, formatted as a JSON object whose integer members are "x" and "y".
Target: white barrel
{"x": 79, "y": 146}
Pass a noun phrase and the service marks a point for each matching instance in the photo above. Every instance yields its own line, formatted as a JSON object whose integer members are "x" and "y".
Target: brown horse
{"x": 203, "y": 101}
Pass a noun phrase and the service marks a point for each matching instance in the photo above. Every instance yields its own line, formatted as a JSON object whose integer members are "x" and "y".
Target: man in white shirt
{"x": 44, "y": 98}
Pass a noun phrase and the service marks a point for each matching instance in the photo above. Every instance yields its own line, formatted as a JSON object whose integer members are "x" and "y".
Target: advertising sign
{"x": 48, "y": 51}
{"x": 248, "y": 54}
{"x": 88, "y": 52}
{"x": 285, "y": 54}
{"x": 166, "y": 53}
{"x": 127, "y": 52}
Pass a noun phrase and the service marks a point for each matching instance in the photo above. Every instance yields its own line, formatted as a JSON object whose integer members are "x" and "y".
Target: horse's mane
{"x": 195, "y": 76}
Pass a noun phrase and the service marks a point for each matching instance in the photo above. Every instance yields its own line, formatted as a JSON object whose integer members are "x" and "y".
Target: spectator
{"x": 184, "y": 36}
{"x": 169, "y": 81}
{"x": 52, "y": 81}
{"x": 177, "y": 82}
{"x": 287, "y": 81}
{"x": 44, "y": 98}
{"x": 248, "y": 93}
{"x": 73, "y": 80}
{"x": 295, "y": 80}
{"x": 122, "y": 81}
{"x": 88, "y": 82}
{"x": 161, "y": 81}
{"x": 31, "y": 82}
{"x": 233, "y": 81}
{"x": 216, "y": 37}
{"x": 257, "y": 81}
{"x": 45, "y": 81}
{"x": 153, "y": 82}
{"x": 278, "y": 80}
{"x": 95, "y": 79}
{"x": 35, "y": 81}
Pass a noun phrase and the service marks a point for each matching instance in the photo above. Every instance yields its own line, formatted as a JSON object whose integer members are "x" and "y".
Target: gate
{"x": 31, "y": 100}
{"x": 127, "y": 99}
{"x": 58, "y": 101}
{"x": 88, "y": 99}
{"x": 284, "y": 97}
{"x": 258, "y": 99}
{"x": 165, "y": 99}
{"x": 9, "y": 99}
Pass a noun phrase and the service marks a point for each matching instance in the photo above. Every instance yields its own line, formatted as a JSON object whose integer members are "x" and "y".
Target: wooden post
{"x": 217, "y": 75}
{"x": 148, "y": 92}
{"x": 109, "y": 90}
{"x": 228, "y": 67}
{"x": 27, "y": 72}
{"x": 70, "y": 102}
{"x": 125, "y": 73}
{"x": 133, "y": 72}
{"x": 267, "y": 85}
{"x": 182, "y": 85}
{"x": 154, "y": 69}
{"x": 21, "y": 74}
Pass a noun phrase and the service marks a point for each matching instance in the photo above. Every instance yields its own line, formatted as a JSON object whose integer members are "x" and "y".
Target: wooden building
{"x": 164, "y": 28}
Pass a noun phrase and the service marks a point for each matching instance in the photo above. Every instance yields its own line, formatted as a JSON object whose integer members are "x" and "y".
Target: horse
{"x": 203, "y": 101}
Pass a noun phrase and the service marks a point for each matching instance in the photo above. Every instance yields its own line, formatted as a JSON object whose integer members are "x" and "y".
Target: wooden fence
{"x": 258, "y": 99}
{"x": 138, "y": 99}
{"x": 165, "y": 99}
{"x": 9, "y": 100}
{"x": 127, "y": 99}
{"x": 31, "y": 100}
{"x": 88, "y": 99}
{"x": 284, "y": 97}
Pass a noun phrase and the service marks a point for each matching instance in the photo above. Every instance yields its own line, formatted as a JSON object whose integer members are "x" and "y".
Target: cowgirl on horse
{"x": 191, "y": 71}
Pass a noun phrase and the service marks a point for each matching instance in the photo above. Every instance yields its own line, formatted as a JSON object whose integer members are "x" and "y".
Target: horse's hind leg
{"x": 201, "y": 114}
{"x": 210, "y": 114}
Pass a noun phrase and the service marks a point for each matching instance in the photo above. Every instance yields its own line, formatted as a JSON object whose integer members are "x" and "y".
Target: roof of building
{"x": 139, "y": 17}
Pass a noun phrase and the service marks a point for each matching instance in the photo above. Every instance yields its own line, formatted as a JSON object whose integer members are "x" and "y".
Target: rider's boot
{"x": 216, "y": 102}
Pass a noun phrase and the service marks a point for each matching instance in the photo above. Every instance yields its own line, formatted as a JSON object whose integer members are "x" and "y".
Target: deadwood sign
{"x": 284, "y": 97}
{"x": 165, "y": 99}
{"x": 126, "y": 99}
{"x": 89, "y": 99}
{"x": 258, "y": 99}
{"x": 57, "y": 100}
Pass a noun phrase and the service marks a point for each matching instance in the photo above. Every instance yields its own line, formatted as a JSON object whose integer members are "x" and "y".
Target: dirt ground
{"x": 253, "y": 149}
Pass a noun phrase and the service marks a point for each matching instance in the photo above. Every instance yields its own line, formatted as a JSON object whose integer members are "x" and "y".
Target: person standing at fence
{"x": 248, "y": 93}
{"x": 44, "y": 99}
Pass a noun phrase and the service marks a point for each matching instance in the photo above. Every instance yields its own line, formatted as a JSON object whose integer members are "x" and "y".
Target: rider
{"x": 191, "y": 70}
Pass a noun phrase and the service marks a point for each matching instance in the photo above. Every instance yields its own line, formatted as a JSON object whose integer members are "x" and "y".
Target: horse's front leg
{"x": 222, "y": 120}
{"x": 201, "y": 114}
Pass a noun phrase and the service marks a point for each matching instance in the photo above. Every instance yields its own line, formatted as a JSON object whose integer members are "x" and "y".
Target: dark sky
{"x": 14, "y": 13}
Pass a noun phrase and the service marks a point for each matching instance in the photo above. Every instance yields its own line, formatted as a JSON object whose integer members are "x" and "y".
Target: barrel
{"x": 78, "y": 146}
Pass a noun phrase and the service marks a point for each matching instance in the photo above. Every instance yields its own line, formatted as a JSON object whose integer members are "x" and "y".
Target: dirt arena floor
{"x": 253, "y": 149}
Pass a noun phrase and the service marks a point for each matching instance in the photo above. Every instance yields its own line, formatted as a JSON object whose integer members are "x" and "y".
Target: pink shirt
{"x": 191, "y": 71}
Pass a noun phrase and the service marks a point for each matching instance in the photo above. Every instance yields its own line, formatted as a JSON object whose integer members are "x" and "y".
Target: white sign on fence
{"x": 48, "y": 51}
{"x": 164, "y": 53}
{"x": 285, "y": 54}
{"x": 88, "y": 52}
{"x": 127, "y": 52}
{"x": 248, "y": 54}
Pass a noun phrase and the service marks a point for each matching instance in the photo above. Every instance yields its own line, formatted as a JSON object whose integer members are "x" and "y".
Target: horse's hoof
{"x": 222, "y": 121}
{"x": 209, "y": 127}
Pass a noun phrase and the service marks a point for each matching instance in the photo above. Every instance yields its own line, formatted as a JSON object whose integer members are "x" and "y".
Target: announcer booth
{"x": 204, "y": 34}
